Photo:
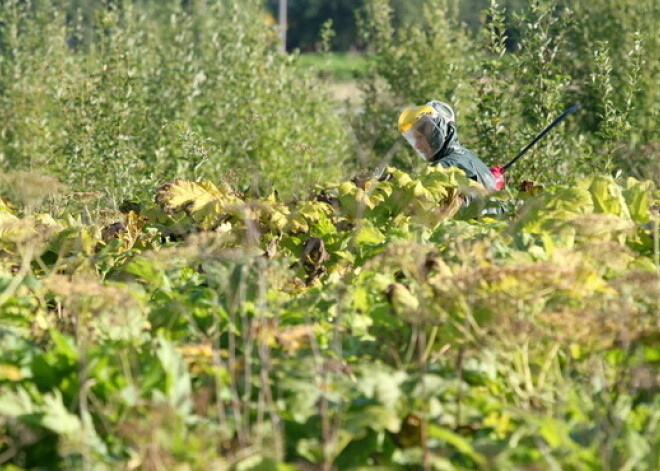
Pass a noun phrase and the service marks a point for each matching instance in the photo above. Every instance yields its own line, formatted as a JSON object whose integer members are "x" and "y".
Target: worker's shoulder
{"x": 457, "y": 154}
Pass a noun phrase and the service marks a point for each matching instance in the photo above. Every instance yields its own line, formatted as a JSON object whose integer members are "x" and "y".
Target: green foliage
{"x": 365, "y": 326}
{"x": 249, "y": 307}
{"x": 159, "y": 92}
{"x": 520, "y": 70}
{"x": 409, "y": 59}
{"x": 340, "y": 67}
{"x": 492, "y": 106}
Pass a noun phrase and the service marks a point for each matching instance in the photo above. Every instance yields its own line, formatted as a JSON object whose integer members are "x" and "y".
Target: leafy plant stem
{"x": 266, "y": 365}
{"x": 412, "y": 343}
{"x": 423, "y": 367}
{"x": 233, "y": 367}
{"x": 547, "y": 364}
{"x": 81, "y": 344}
{"x": 656, "y": 239}
{"x": 431, "y": 341}
{"x": 18, "y": 278}
{"x": 459, "y": 377}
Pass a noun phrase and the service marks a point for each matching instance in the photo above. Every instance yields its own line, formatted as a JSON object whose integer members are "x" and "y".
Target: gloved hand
{"x": 498, "y": 174}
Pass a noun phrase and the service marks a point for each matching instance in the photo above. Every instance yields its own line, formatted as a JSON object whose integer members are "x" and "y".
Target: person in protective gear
{"x": 431, "y": 131}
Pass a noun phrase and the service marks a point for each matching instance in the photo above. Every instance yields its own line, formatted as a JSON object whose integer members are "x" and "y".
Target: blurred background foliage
{"x": 113, "y": 95}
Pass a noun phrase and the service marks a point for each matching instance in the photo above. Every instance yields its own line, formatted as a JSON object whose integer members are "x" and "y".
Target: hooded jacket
{"x": 453, "y": 154}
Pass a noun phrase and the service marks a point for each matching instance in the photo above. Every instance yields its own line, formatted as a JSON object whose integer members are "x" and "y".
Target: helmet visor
{"x": 426, "y": 136}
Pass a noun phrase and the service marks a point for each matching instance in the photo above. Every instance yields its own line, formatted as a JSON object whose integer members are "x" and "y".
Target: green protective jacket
{"x": 453, "y": 154}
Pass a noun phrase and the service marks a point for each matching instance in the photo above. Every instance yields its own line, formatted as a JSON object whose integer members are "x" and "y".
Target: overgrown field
{"x": 371, "y": 324}
{"x": 207, "y": 263}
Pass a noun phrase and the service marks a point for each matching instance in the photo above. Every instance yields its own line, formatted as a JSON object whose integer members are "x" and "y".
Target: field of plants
{"x": 208, "y": 263}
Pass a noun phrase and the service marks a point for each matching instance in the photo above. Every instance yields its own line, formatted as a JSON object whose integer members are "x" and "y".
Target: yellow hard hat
{"x": 410, "y": 115}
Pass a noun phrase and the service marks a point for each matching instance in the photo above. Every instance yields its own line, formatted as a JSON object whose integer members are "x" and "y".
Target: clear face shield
{"x": 427, "y": 135}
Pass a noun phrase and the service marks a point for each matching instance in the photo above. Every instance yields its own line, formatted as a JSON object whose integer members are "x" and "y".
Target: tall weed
{"x": 491, "y": 118}
{"x": 542, "y": 91}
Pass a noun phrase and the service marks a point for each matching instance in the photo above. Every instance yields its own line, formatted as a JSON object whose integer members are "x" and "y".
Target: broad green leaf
{"x": 607, "y": 195}
{"x": 202, "y": 201}
{"x": 150, "y": 271}
{"x": 637, "y": 195}
{"x": 178, "y": 387}
{"x": 56, "y": 416}
{"x": 382, "y": 385}
{"x": 400, "y": 177}
{"x": 16, "y": 403}
{"x": 310, "y": 449}
{"x": 277, "y": 219}
{"x": 574, "y": 200}
{"x": 64, "y": 345}
{"x": 377, "y": 418}
{"x": 458, "y": 442}
{"x": 419, "y": 191}
{"x": 368, "y": 234}
{"x": 183, "y": 195}
{"x": 554, "y": 432}
{"x": 347, "y": 188}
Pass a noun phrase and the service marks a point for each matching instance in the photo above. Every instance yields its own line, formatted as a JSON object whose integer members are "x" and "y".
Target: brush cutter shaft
{"x": 563, "y": 116}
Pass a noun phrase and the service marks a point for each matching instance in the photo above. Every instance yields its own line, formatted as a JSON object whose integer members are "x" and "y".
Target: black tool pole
{"x": 573, "y": 108}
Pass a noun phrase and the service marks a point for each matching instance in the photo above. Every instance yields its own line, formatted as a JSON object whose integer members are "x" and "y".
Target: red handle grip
{"x": 498, "y": 174}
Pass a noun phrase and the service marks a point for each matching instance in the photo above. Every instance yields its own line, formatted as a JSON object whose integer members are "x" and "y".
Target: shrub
{"x": 148, "y": 92}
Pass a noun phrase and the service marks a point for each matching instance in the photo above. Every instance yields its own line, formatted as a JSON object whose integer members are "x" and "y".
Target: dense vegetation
{"x": 561, "y": 54}
{"x": 207, "y": 263}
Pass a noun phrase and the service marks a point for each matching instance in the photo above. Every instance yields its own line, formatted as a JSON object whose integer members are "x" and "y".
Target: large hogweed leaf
{"x": 49, "y": 411}
{"x": 402, "y": 199}
{"x": 393, "y": 201}
{"x": 541, "y": 213}
{"x": 191, "y": 196}
{"x": 71, "y": 241}
{"x": 598, "y": 208}
{"x": 310, "y": 216}
{"x": 606, "y": 195}
{"x": 638, "y": 197}
{"x": 202, "y": 201}
{"x": 15, "y": 230}
{"x": 356, "y": 202}
{"x": 434, "y": 197}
